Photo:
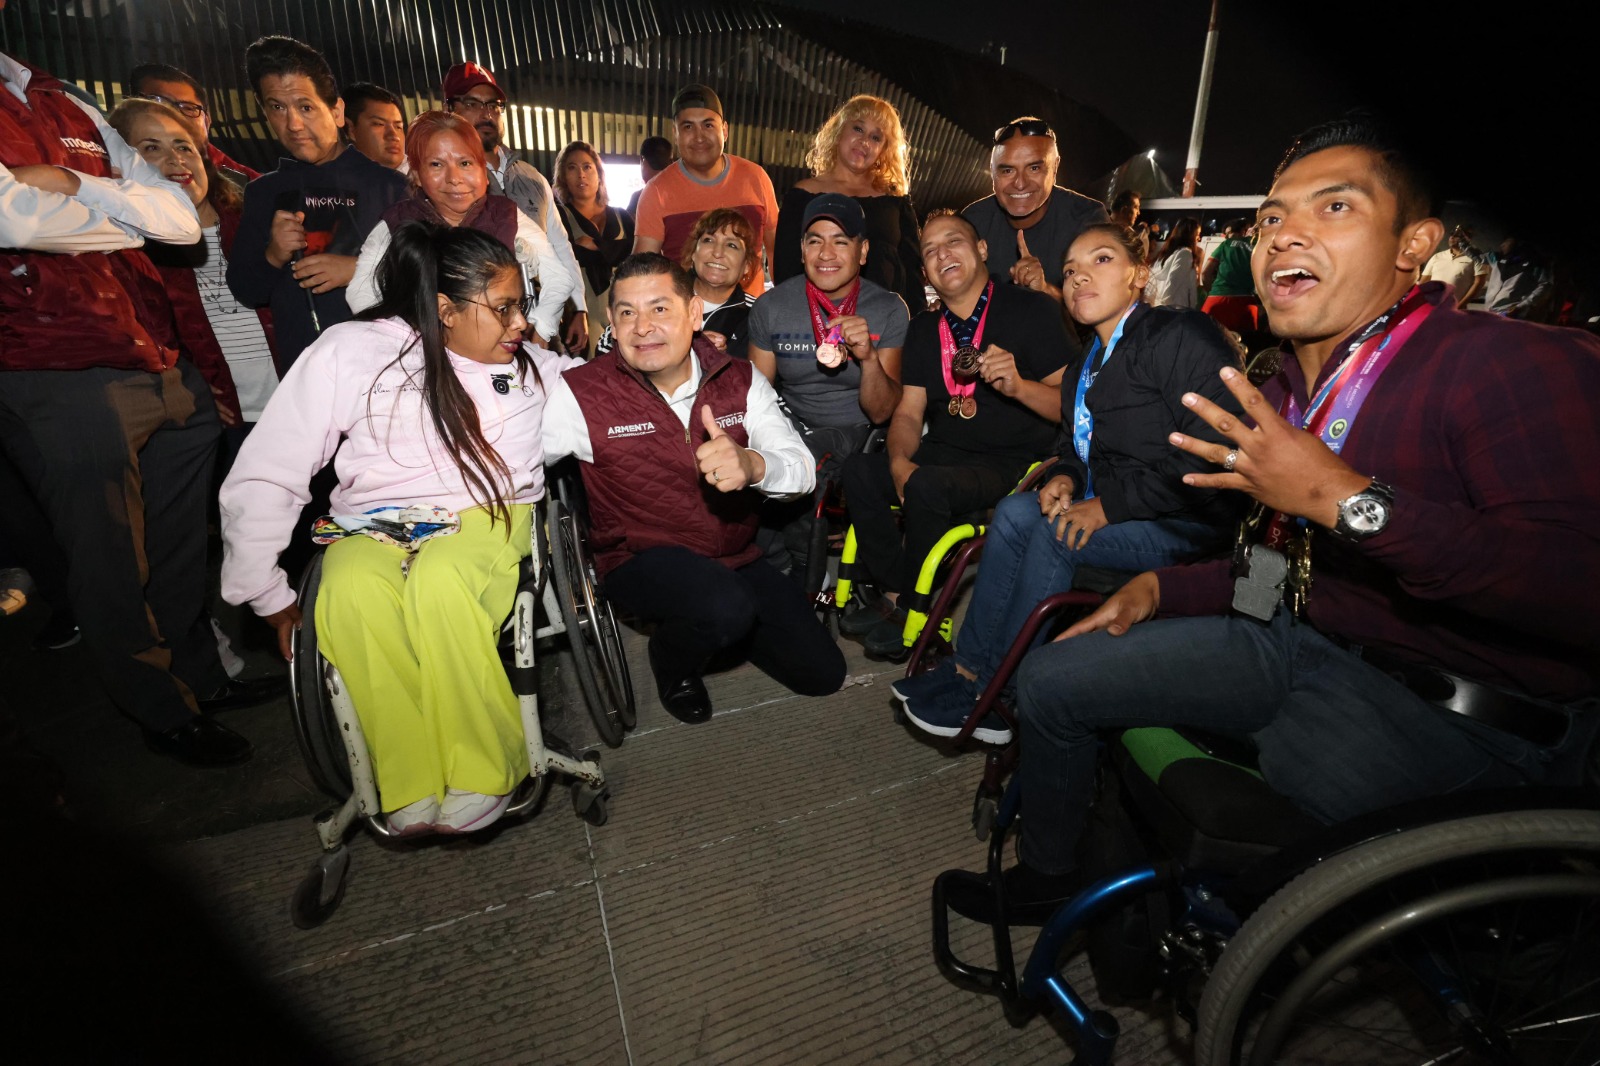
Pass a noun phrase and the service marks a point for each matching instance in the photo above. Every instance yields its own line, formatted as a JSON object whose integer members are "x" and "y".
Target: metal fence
{"x": 596, "y": 70}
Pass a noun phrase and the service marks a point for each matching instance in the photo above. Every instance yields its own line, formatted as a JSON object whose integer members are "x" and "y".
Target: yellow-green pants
{"x": 418, "y": 656}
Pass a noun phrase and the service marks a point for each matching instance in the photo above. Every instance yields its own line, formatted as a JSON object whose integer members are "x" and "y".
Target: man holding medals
{"x": 984, "y": 374}
{"x": 829, "y": 340}
{"x": 1398, "y": 629}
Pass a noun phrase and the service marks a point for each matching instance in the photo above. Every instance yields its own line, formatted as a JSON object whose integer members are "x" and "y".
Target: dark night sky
{"x": 1492, "y": 103}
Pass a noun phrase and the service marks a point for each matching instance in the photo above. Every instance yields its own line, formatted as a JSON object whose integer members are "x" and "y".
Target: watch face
{"x": 1366, "y": 514}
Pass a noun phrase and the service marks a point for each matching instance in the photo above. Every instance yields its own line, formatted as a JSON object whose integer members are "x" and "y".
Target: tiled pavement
{"x": 760, "y": 894}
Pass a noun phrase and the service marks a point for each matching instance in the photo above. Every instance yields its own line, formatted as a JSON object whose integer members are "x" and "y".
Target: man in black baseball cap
{"x": 830, "y": 340}
{"x": 704, "y": 178}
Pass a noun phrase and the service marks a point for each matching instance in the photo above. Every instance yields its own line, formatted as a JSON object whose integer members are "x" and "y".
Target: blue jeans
{"x": 1023, "y": 563}
{"x": 1335, "y": 735}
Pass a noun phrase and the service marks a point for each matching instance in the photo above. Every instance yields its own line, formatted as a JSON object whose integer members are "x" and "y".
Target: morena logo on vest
{"x": 78, "y": 144}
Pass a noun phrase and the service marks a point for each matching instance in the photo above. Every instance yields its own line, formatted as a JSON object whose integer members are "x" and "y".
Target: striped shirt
{"x": 238, "y": 330}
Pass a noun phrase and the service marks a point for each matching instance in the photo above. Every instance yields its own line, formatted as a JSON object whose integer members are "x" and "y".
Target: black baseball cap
{"x": 697, "y": 96}
{"x": 836, "y": 208}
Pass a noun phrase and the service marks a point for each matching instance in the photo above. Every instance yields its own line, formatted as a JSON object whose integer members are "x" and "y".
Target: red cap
{"x": 463, "y": 77}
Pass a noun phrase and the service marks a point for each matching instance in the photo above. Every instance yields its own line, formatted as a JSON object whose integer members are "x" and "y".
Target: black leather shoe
{"x": 1031, "y": 897}
{"x": 200, "y": 742}
{"x": 242, "y": 692}
{"x": 687, "y": 700}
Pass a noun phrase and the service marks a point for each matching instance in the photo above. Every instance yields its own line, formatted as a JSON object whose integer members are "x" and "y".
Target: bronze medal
{"x": 969, "y": 407}
{"x": 955, "y": 406}
{"x": 829, "y": 355}
{"x": 964, "y": 364}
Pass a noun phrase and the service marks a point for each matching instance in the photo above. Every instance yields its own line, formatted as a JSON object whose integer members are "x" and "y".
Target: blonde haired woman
{"x": 861, "y": 152}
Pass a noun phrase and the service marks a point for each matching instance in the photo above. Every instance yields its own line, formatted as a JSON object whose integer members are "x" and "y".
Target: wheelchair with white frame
{"x": 557, "y": 594}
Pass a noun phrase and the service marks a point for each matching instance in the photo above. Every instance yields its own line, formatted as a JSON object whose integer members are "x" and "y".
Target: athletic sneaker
{"x": 415, "y": 818}
{"x": 923, "y": 685}
{"x": 468, "y": 812}
{"x": 943, "y": 713}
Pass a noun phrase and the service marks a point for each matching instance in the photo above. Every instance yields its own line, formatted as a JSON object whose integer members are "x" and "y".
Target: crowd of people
{"x": 401, "y": 324}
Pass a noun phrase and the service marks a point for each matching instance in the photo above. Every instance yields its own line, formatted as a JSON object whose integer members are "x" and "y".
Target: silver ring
{"x": 715, "y": 476}
{"x": 1228, "y": 461}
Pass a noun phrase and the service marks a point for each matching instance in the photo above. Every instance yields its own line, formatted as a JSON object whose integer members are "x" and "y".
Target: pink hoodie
{"x": 349, "y": 384}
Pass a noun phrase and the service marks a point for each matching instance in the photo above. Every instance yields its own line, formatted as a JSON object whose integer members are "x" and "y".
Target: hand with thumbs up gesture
{"x": 1028, "y": 272}
{"x": 726, "y": 466}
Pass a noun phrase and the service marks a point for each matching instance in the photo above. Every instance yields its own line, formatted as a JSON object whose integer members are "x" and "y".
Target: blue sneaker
{"x": 923, "y": 685}
{"x": 945, "y": 712}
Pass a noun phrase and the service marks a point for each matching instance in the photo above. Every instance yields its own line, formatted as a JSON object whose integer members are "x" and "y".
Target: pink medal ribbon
{"x": 831, "y": 348}
{"x": 963, "y": 402}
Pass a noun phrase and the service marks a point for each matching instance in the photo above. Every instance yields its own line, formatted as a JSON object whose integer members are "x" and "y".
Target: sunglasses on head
{"x": 1028, "y": 127}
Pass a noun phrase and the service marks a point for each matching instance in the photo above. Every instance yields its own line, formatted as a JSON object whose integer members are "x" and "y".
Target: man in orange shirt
{"x": 704, "y": 177}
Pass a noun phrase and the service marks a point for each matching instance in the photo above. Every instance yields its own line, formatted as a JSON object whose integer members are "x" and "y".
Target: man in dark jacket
{"x": 108, "y": 428}
{"x": 304, "y": 224}
{"x": 679, "y": 444}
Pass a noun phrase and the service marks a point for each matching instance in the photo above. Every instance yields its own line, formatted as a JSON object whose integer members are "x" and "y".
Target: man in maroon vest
{"x": 679, "y": 444}
{"x": 111, "y": 432}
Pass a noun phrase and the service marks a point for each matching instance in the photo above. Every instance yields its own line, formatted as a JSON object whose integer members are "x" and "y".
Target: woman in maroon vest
{"x": 450, "y": 187}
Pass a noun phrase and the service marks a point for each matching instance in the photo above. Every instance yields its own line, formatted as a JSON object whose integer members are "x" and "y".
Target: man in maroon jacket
{"x": 678, "y": 445}
{"x": 109, "y": 429}
{"x": 1437, "y": 474}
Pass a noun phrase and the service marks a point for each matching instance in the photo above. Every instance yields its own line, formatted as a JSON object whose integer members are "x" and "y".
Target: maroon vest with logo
{"x": 494, "y": 214}
{"x": 69, "y": 312}
{"x": 645, "y": 488}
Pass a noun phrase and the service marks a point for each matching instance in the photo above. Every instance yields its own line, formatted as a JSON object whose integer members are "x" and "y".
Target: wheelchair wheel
{"x": 1476, "y": 940}
{"x": 314, "y": 724}
{"x": 592, "y": 630}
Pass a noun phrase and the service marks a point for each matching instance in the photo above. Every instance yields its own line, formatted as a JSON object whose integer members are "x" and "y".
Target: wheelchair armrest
{"x": 1036, "y": 475}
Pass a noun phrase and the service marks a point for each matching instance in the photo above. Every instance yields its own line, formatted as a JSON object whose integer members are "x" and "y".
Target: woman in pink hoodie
{"x": 430, "y": 399}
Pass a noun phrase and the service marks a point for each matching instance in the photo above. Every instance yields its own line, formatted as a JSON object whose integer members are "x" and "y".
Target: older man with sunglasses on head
{"x": 1030, "y": 221}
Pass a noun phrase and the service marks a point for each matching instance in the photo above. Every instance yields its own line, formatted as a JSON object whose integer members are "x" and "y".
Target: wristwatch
{"x": 1364, "y": 514}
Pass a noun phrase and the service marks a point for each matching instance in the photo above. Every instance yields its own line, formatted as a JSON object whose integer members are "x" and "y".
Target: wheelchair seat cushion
{"x": 1208, "y": 814}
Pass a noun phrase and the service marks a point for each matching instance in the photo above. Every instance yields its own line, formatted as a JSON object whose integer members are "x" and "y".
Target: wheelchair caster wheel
{"x": 592, "y": 805}
{"x": 983, "y": 812}
{"x": 899, "y": 713}
{"x": 322, "y": 890}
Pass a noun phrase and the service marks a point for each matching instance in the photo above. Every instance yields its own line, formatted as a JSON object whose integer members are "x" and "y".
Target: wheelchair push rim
{"x": 591, "y": 630}
{"x": 315, "y": 728}
{"x": 1472, "y": 941}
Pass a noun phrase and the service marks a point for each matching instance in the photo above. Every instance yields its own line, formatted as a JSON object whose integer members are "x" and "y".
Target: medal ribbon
{"x": 947, "y": 346}
{"x": 816, "y": 303}
{"x": 1082, "y": 420}
{"x": 1333, "y": 409}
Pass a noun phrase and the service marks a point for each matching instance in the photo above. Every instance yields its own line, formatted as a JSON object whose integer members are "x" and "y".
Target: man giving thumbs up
{"x": 678, "y": 445}
{"x": 1030, "y": 221}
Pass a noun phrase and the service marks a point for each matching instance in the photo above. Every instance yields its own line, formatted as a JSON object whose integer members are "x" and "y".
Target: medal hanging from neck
{"x": 1330, "y": 415}
{"x": 960, "y": 363}
{"x": 831, "y": 348}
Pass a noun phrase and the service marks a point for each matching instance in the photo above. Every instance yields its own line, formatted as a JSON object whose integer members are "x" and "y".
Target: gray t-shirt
{"x": 780, "y": 322}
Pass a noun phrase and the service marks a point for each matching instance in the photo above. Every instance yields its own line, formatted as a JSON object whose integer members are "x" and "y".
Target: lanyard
{"x": 947, "y": 346}
{"x": 1332, "y": 411}
{"x": 816, "y": 303}
{"x": 1082, "y": 420}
